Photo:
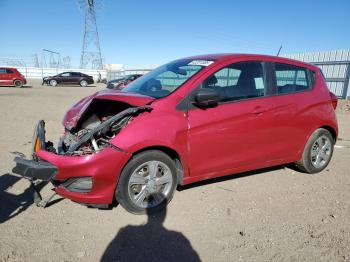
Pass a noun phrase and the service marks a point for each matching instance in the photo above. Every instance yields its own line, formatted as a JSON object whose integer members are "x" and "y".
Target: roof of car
{"x": 13, "y": 68}
{"x": 221, "y": 57}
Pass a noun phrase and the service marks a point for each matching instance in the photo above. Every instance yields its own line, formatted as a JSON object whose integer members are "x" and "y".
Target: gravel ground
{"x": 275, "y": 214}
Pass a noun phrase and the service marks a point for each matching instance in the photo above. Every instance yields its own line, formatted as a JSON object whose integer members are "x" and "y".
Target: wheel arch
{"x": 172, "y": 154}
{"x": 331, "y": 130}
{"x": 328, "y": 127}
{"x": 16, "y": 79}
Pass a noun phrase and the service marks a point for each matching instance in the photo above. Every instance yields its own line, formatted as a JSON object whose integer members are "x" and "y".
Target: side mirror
{"x": 207, "y": 97}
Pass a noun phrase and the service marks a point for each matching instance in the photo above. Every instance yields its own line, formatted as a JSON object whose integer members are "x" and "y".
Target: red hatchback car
{"x": 11, "y": 77}
{"x": 189, "y": 120}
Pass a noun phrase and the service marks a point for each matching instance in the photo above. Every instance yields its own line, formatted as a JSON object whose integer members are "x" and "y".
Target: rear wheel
{"x": 83, "y": 83}
{"x": 317, "y": 152}
{"x": 53, "y": 82}
{"x": 18, "y": 83}
{"x": 147, "y": 182}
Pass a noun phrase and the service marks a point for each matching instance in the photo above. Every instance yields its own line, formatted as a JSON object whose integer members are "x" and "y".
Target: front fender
{"x": 156, "y": 129}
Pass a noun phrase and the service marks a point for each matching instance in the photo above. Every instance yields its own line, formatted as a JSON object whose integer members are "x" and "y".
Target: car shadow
{"x": 12, "y": 205}
{"x": 233, "y": 176}
{"x": 150, "y": 242}
{"x": 25, "y": 86}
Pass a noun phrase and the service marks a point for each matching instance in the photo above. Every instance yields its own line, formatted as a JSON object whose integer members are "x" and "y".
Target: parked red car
{"x": 192, "y": 119}
{"x": 11, "y": 77}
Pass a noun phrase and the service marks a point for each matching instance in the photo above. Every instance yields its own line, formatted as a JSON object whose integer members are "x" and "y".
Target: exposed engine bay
{"x": 101, "y": 122}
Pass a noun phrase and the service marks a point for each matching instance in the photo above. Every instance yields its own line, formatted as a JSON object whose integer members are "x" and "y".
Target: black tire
{"x": 122, "y": 189}
{"x": 18, "y": 83}
{"x": 305, "y": 164}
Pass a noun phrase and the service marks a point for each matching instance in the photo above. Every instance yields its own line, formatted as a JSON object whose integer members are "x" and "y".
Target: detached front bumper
{"x": 34, "y": 169}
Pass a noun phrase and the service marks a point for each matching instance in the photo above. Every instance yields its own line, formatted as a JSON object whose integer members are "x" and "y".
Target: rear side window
{"x": 291, "y": 79}
{"x": 2, "y": 71}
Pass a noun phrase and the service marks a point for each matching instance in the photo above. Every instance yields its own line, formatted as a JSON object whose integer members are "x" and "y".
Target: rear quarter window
{"x": 291, "y": 79}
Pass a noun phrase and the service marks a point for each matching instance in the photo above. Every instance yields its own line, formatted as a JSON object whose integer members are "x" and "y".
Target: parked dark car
{"x": 11, "y": 77}
{"x": 123, "y": 81}
{"x": 69, "y": 78}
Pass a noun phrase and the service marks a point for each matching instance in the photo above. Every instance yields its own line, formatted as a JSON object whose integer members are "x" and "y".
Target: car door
{"x": 75, "y": 78}
{"x": 65, "y": 78}
{"x": 291, "y": 85}
{"x": 2, "y": 76}
{"x": 8, "y": 77}
{"x": 235, "y": 135}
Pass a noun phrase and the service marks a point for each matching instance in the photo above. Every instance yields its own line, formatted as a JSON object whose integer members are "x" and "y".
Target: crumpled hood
{"x": 73, "y": 115}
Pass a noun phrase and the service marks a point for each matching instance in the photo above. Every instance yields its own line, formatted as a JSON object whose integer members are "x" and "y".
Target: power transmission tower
{"x": 35, "y": 60}
{"x": 91, "y": 51}
{"x": 66, "y": 62}
{"x": 54, "y": 58}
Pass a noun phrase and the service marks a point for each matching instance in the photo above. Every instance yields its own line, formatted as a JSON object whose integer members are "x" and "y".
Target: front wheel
{"x": 83, "y": 83}
{"x": 147, "y": 182}
{"x": 317, "y": 152}
{"x": 53, "y": 83}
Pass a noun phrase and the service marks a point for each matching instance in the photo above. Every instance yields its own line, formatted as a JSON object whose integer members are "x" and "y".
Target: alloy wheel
{"x": 321, "y": 151}
{"x": 150, "y": 184}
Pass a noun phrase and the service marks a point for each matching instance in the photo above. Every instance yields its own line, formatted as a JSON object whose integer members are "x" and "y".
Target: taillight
{"x": 334, "y": 99}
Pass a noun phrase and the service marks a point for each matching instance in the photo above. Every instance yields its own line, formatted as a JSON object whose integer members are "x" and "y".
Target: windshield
{"x": 165, "y": 79}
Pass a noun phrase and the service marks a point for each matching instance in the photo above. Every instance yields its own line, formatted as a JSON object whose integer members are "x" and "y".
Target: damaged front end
{"x": 85, "y": 161}
{"x": 95, "y": 133}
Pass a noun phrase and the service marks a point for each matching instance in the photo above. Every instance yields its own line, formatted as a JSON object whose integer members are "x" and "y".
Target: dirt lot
{"x": 277, "y": 214}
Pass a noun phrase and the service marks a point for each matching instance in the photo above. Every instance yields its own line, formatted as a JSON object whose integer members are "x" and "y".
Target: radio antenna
{"x": 279, "y": 50}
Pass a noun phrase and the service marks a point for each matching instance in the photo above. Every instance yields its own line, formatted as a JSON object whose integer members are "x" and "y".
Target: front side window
{"x": 290, "y": 78}
{"x": 238, "y": 81}
{"x": 65, "y": 74}
{"x": 9, "y": 71}
{"x": 165, "y": 79}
